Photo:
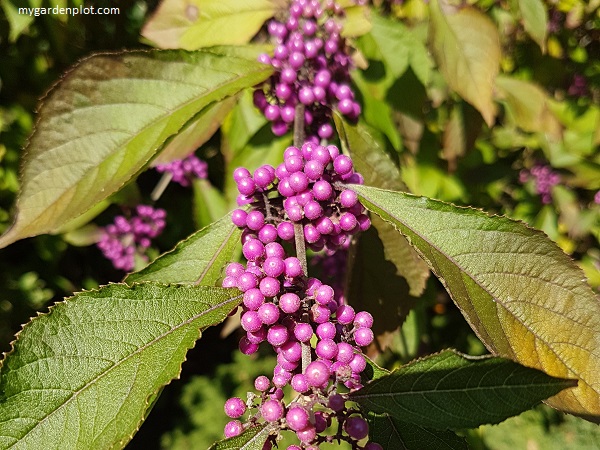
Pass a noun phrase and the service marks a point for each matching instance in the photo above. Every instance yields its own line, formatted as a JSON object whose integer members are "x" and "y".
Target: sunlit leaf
{"x": 392, "y": 433}
{"x": 106, "y": 119}
{"x": 522, "y": 295}
{"x": 199, "y": 259}
{"x": 466, "y": 46}
{"x": 449, "y": 390}
{"x": 194, "y": 24}
{"x": 356, "y": 21}
{"x": 84, "y": 375}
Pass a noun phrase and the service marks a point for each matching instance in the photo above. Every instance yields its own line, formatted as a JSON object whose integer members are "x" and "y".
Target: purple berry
{"x": 233, "y": 428}
{"x": 317, "y": 374}
{"x": 272, "y": 410}
{"x": 235, "y": 407}
{"x": 297, "y": 418}
{"x": 356, "y": 427}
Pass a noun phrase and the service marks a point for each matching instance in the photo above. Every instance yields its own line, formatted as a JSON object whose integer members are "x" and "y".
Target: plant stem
{"x": 298, "y": 229}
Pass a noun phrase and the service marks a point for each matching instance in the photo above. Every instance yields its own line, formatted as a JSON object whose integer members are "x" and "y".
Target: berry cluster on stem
{"x": 312, "y": 68}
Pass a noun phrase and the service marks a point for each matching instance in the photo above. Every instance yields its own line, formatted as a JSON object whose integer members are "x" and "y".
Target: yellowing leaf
{"x": 194, "y": 24}
{"x": 527, "y": 105}
{"x": 523, "y": 296}
{"x": 466, "y": 46}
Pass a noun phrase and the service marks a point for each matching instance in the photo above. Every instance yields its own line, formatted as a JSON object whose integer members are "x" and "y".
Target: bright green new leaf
{"x": 194, "y": 24}
{"x": 535, "y": 20}
{"x": 251, "y": 439}
{"x": 466, "y": 46}
{"x": 522, "y": 295}
{"x": 198, "y": 259}
{"x": 196, "y": 133}
{"x": 83, "y": 375}
{"x": 108, "y": 117}
{"x": 392, "y": 433}
{"x": 449, "y": 390}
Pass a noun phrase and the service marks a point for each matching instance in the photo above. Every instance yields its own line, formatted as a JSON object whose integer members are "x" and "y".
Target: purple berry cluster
{"x": 544, "y": 179}
{"x": 307, "y": 189}
{"x": 312, "y": 68}
{"x": 317, "y": 337}
{"x": 184, "y": 171}
{"x": 123, "y": 239}
{"x": 597, "y": 198}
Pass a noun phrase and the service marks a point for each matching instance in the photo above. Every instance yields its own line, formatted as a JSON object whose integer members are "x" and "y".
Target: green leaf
{"x": 107, "y": 118}
{"x": 449, "y": 390}
{"x": 84, "y": 375}
{"x": 380, "y": 263}
{"x": 194, "y": 24}
{"x": 18, "y": 23}
{"x": 200, "y": 130}
{"x": 400, "y": 48}
{"x": 209, "y": 203}
{"x": 521, "y": 294}
{"x": 535, "y": 20}
{"x": 392, "y": 433}
{"x": 198, "y": 259}
{"x": 372, "y": 371}
{"x": 368, "y": 155}
{"x": 251, "y": 439}
{"x": 386, "y": 277}
{"x": 356, "y": 21}
{"x": 466, "y": 46}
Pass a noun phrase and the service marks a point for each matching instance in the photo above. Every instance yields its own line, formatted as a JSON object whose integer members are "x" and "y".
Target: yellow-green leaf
{"x": 194, "y": 24}
{"x": 466, "y": 46}
{"x": 535, "y": 20}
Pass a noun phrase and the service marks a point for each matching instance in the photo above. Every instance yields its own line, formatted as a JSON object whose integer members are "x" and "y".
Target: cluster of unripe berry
{"x": 317, "y": 337}
{"x": 125, "y": 238}
{"x": 184, "y": 171}
{"x": 308, "y": 189}
{"x": 312, "y": 68}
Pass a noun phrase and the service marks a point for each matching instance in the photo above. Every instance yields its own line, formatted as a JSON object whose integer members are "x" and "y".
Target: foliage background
{"x": 439, "y": 142}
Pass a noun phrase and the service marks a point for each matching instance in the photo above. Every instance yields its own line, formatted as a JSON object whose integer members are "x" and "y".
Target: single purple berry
{"x": 233, "y": 428}
{"x": 356, "y": 427}
{"x": 235, "y": 407}
{"x": 297, "y": 418}
{"x": 272, "y": 410}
